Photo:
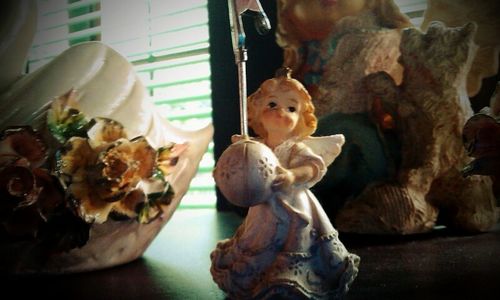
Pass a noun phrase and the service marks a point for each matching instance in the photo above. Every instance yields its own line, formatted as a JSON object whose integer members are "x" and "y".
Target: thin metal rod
{"x": 240, "y": 55}
{"x": 242, "y": 77}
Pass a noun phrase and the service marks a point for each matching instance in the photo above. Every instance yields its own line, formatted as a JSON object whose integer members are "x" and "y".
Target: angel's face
{"x": 280, "y": 111}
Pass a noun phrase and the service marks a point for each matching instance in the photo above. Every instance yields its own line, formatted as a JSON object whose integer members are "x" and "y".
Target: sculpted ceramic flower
{"x": 80, "y": 171}
{"x": 104, "y": 130}
{"x": 168, "y": 157}
{"x": 22, "y": 142}
{"x": 122, "y": 166}
{"x": 21, "y": 149}
{"x": 28, "y": 193}
{"x": 100, "y": 171}
{"x": 32, "y": 199}
{"x": 17, "y": 189}
{"x": 106, "y": 173}
{"x": 64, "y": 119}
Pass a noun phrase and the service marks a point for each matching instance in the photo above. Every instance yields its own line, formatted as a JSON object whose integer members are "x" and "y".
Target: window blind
{"x": 166, "y": 41}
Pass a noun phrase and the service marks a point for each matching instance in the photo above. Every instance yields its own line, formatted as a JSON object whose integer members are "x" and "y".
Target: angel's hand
{"x": 284, "y": 179}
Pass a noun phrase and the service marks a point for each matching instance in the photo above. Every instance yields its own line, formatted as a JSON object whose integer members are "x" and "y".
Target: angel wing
{"x": 328, "y": 147}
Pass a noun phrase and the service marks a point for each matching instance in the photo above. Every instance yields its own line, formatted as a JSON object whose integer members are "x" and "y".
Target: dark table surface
{"x": 438, "y": 265}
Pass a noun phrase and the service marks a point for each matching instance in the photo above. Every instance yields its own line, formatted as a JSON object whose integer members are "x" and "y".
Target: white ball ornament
{"x": 245, "y": 172}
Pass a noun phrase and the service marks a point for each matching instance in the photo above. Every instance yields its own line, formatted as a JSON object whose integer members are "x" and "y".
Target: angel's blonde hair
{"x": 281, "y": 82}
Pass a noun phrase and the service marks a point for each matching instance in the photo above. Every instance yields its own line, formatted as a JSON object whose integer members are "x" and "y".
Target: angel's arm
{"x": 299, "y": 175}
{"x": 305, "y": 169}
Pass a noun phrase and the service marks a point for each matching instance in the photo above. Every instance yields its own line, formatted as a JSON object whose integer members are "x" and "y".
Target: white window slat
{"x": 54, "y": 20}
{"x": 178, "y": 21}
{"x": 162, "y": 7}
{"x": 124, "y": 20}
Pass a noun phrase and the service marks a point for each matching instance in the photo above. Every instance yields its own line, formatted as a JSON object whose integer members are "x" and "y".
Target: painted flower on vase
{"x": 73, "y": 171}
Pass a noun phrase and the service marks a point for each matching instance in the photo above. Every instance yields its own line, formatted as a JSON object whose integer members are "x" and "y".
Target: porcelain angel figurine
{"x": 286, "y": 246}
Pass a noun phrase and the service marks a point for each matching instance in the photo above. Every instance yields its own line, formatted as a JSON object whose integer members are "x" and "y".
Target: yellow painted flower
{"x": 101, "y": 171}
